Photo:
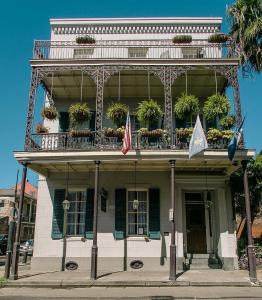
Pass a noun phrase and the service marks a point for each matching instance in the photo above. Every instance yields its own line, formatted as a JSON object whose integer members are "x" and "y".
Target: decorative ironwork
{"x": 99, "y": 103}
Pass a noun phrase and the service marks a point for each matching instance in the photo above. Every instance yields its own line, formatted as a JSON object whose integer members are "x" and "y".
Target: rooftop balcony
{"x": 148, "y": 50}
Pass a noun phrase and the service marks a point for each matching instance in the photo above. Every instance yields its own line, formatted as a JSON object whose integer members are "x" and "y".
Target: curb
{"x": 88, "y": 284}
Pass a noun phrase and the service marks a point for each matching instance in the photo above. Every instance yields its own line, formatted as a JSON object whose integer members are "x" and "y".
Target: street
{"x": 152, "y": 293}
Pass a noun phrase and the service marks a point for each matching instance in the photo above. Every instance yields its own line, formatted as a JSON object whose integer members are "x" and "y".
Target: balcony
{"x": 162, "y": 50}
{"x": 65, "y": 142}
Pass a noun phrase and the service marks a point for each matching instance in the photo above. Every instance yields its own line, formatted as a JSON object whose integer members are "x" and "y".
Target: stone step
{"x": 197, "y": 255}
{"x": 199, "y": 267}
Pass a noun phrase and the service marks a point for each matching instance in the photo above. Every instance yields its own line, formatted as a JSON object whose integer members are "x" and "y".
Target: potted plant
{"x": 40, "y": 128}
{"x": 227, "y": 122}
{"x": 184, "y": 134}
{"x": 50, "y": 113}
{"x": 182, "y": 39}
{"x": 87, "y": 39}
{"x": 81, "y": 133}
{"x": 149, "y": 112}
{"x": 216, "y": 106}
{"x": 218, "y": 38}
{"x": 186, "y": 105}
{"x": 117, "y": 112}
{"x": 79, "y": 113}
{"x": 156, "y": 133}
{"x": 114, "y": 132}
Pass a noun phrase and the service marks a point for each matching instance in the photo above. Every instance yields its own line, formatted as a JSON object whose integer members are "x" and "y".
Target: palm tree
{"x": 246, "y": 32}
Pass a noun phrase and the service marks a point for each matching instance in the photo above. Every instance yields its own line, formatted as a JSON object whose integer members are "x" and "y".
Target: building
{"x": 7, "y": 204}
{"x": 130, "y": 60}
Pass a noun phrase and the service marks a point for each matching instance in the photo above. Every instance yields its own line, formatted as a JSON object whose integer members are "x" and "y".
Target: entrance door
{"x": 195, "y": 223}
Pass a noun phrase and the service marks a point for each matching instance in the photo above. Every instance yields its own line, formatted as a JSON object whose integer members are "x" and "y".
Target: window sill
{"x": 138, "y": 238}
{"x": 75, "y": 239}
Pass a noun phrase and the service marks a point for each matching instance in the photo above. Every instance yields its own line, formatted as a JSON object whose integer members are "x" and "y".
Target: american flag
{"x": 127, "y": 137}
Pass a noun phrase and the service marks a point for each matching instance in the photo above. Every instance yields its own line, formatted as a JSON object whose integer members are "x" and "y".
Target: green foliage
{"x": 214, "y": 134}
{"x": 81, "y": 133}
{"x": 40, "y": 128}
{"x": 79, "y": 113}
{"x": 216, "y": 106}
{"x": 117, "y": 112}
{"x": 246, "y": 31}
{"x": 186, "y": 104}
{"x": 227, "y": 134}
{"x": 182, "y": 39}
{"x": 49, "y": 112}
{"x": 184, "y": 132}
{"x": 87, "y": 39}
{"x": 2, "y": 281}
{"x": 227, "y": 122}
{"x": 149, "y": 112}
{"x": 218, "y": 38}
{"x": 254, "y": 172}
{"x": 152, "y": 133}
{"x": 114, "y": 132}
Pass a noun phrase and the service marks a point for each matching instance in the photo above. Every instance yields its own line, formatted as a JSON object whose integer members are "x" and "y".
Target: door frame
{"x": 209, "y": 239}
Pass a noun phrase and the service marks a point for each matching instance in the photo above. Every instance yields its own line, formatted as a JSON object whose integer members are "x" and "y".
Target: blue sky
{"x": 23, "y": 21}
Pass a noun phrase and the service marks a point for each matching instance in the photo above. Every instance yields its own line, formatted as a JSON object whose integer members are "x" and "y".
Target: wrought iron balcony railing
{"x": 130, "y": 50}
{"x": 66, "y": 142}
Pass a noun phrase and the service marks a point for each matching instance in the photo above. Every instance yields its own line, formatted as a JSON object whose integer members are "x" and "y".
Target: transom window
{"x": 76, "y": 213}
{"x": 137, "y": 213}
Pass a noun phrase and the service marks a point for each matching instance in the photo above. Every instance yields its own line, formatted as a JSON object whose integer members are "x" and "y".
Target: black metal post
{"x": 64, "y": 240}
{"x": 94, "y": 247}
{"x": 250, "y": 247}
{"x": 8, "y": 259}
{"x": 172, "y": 270}
{"x": 15, "y": 257}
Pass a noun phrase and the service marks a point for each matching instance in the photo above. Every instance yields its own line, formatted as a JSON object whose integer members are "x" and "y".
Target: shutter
{"x": 92, "y": 122}
{"x": 89, "y": 214}
{"x": 120, "y": 214}
{"x": 58, "y": 214}
{"x": 154, "y": 214}
{"x": 63, "y": 121}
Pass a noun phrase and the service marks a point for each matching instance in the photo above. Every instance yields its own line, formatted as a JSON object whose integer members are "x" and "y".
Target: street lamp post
{"x": 66, "y": 206}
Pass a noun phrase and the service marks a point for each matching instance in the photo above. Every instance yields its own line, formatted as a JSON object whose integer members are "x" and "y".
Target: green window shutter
{"x": 92, "y": 122}
{"x": 63, "y": 121}
{"x": 58, "y": 214}
{"x": 120, "y": 214}
{"x": 154, "y": 214}
{"x": 89, "y": 214}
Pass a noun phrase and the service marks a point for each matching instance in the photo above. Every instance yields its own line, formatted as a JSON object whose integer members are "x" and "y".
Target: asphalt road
{"x": 131, "y": 293}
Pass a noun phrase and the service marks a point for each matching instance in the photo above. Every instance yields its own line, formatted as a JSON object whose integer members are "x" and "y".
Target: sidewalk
{"x": 132, "y": 278}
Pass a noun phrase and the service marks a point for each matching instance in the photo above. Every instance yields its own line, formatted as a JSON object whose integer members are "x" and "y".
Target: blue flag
{"x": 232, "y": 146}
{"x": 198, "y": 141}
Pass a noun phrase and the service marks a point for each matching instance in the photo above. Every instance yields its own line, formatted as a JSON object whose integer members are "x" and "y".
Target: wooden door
{"x": 196, "y": 228}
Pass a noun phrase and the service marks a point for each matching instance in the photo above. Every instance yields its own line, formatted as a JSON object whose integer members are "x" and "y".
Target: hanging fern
{"x": 50, "y": 113}
{"x": 149, "y": 111}
{"x": 117, "y": 112}
{"x": 186, "y": 105}
{"x": 79, "y": 113}
{"x": 227, "y": 122}
{"x": 216, "y": 106}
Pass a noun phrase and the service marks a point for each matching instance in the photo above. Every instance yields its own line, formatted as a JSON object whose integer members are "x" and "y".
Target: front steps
{"x": 202, "y": 262}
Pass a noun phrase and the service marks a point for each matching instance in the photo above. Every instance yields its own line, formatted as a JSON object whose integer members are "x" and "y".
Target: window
{"x": 83, "y": 53}
{"x": 137, "y": 52}
{"x": 135, "y": 125}
{"x": 137, "y": 219}
{"x": 76, "y": 213}
{"x": 2, "y": 203}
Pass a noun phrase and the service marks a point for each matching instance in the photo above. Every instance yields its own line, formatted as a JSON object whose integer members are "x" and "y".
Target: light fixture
{"x": 135, "y": 202}
{"x": 66, "y": 204}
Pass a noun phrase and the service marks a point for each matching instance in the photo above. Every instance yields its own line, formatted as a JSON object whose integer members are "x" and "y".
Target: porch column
{"x": 94, "y": 247}
{"x": 99, "y": 104}
{"x": 250, "y": 247}
{"x": 16, "y": 246}
{"x": 31, "y": 108}
{"x": 168, "y": 104}
{"x": 172, "y": 270}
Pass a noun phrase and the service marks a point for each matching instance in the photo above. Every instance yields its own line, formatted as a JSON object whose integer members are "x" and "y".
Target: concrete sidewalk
{"x": 71, "y": 279}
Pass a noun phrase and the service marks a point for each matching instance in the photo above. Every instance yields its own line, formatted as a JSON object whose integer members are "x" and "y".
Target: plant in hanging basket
{"x": 49, "y": 112}
{"x": 113, "y": 132}
{"x": 218, "y": 38}
{"x": 149, "y": 112}
{"x": 186, "y": 105}
{"x": 117, "y": 112}
{"x": 214, "y": 134}
{"x": 81, "y": 133}
{"x": 87, "y": 39}
{"x": 216, "y": 106}
{"x": 40, "y": 128}
{"x": 79, "y": 113}
{"x": 182, "y": 39}
{"x": 227, "y": 122}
